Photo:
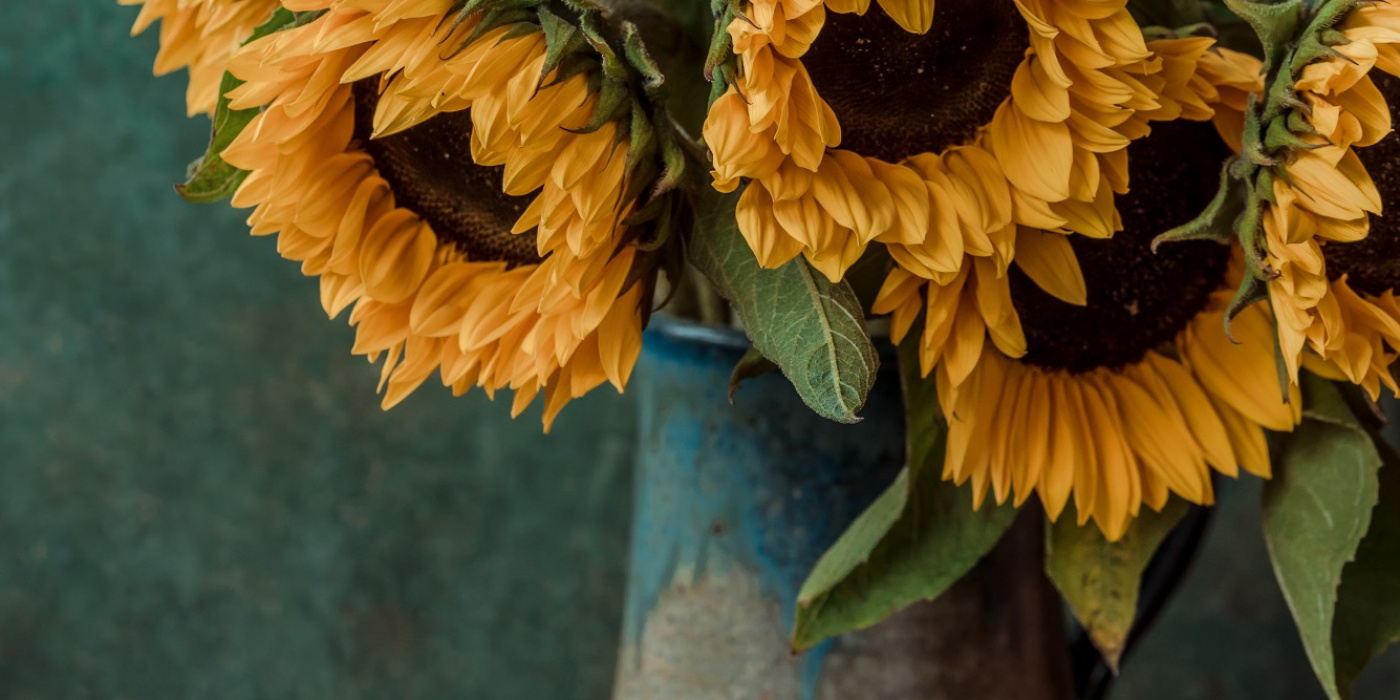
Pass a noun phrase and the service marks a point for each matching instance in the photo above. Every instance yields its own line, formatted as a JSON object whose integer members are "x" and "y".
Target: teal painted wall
{"x": 1227, "y": 634}
{"x": 199, "y": 497}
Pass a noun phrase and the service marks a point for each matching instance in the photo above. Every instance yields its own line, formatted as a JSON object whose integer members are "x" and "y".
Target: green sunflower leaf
{"x": 751, "y": 366}
{"x": 1368, "y": 609}
{"x": 211, "y": 178}
{"x": 1317, "y": 509}
{"x": 813, "y": 329}
{"x": 1100, "y": 579}
{"x": 918, "y": 538}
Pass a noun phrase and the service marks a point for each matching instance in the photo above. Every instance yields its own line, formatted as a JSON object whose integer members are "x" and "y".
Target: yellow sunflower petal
{"x": 1049, "y": 260}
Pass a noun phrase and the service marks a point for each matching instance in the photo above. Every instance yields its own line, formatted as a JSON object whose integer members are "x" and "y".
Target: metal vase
{"x": 735, "y": 504}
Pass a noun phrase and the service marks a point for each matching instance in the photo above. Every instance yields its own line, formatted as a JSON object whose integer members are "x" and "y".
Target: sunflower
{"x": 849, "y": 122}
{"x": 456, "y": 182}
{"x": 200, "y": 35}
{"x": 1197, "y": 81}
{"x": 1331, "y": 258}
{"x": 1108, "y": 377}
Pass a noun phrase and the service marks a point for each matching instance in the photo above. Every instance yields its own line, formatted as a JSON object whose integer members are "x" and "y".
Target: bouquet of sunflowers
{"x": 1123, "y": 246}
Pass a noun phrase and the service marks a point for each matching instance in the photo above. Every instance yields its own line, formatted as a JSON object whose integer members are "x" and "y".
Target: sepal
{"x": 211, "y": 178}
{"x": 720, "y": 62}
{"x": 1276, "y": 25}
{"x": 1217, "y": 222}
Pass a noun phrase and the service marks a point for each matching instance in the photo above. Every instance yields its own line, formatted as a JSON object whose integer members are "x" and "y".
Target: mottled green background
{"x": 199, "y": 497}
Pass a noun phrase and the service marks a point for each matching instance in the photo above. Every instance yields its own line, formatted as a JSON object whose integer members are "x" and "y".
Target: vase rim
{"x": 684, "y": 329}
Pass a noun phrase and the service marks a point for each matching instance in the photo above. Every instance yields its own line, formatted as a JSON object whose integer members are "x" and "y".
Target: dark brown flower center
{"x": 431, "y": 171}
{"x": 898, "y": 94}
{"x": 1372, "y": 265}
{"x": 1137, "y": 300}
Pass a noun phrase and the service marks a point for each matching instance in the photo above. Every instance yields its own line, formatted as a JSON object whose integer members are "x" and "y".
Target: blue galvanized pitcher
{"x": 735, "y": 504}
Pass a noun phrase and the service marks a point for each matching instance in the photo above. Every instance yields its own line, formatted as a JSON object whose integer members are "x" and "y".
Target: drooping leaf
{"x": 1317, "y": 509}
{"x": 814, "y": 330}
{"x": 858, "y": 541}
{"x": 211, "y": 178}
{"x": 913, "y": 543}
{"x": 1100, "y": 579}
{"x": 751, "y": 366}
{"x": 1368, "y": 603}
{"x": 924, "y": 441}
